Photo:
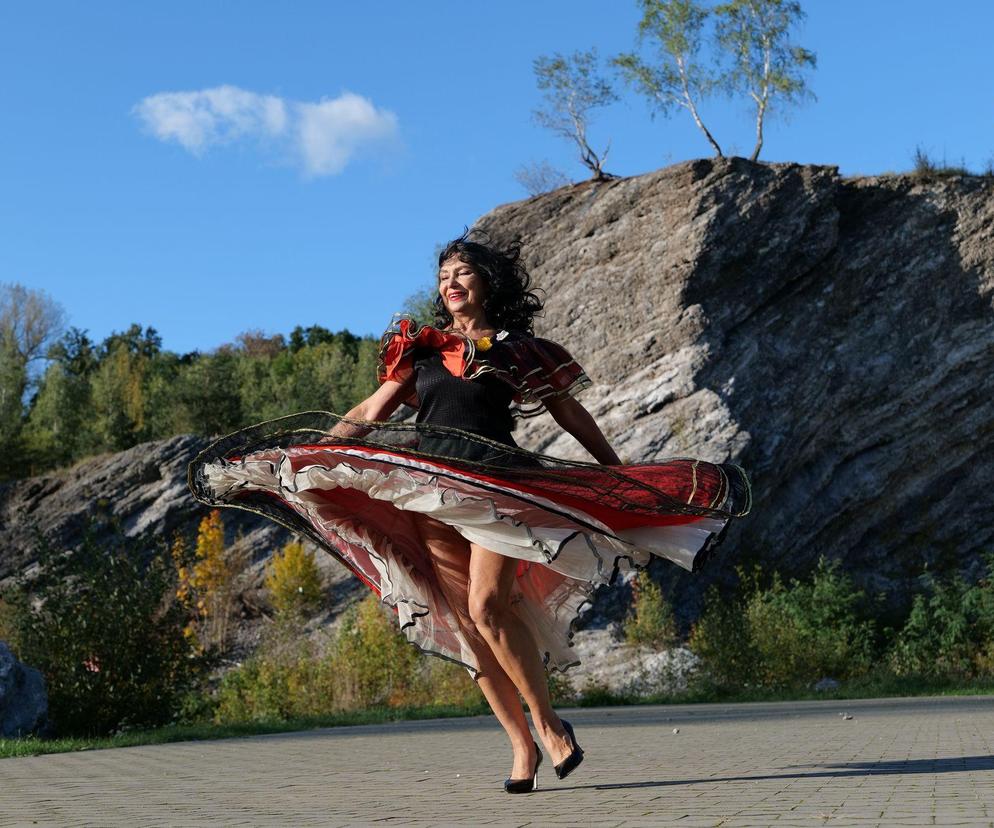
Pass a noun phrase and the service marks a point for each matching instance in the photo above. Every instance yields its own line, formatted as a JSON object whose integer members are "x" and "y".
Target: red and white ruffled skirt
{"x": 569, "y": 524}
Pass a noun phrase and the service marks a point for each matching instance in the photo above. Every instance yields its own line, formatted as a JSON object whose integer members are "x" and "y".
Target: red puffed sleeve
{"x": 538, "y": 369}
{"x": 403, "y": 337}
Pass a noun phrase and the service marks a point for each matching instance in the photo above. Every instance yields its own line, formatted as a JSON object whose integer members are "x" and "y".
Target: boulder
{"x": 23, "y": 700}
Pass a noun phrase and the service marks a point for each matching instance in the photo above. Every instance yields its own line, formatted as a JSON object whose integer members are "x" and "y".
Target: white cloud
{"x": 321, "y": 137}
{"x": 331, "y": 130}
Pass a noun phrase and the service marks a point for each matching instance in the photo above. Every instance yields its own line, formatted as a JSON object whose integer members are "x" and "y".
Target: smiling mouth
{"x": 456, "y": 295}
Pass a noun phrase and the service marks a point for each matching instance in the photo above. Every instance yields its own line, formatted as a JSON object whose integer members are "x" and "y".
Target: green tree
{"x": 209, "y": 393}
{"x": 573, "y": 88}
{"x": 421, "y": 305}
{"x": 765, "y": 66}
{"x": 162, "y": 412}
{"x": 676, "y": 77}
{"x": 13, "y": 382}
{"x": 118, "y": 399}
{"x": 30, "y": 321}
{"x": 364, "y": 375}
{"x": 59, "y": 424}
{"x": 145, "y": 343}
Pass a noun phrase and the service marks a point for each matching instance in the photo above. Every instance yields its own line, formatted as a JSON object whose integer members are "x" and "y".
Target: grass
{"x": 33, "y": 746}
{"x": 865, "y": 688}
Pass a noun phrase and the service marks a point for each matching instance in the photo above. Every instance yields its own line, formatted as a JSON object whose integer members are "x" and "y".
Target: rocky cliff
{"x": 833, "y": 336}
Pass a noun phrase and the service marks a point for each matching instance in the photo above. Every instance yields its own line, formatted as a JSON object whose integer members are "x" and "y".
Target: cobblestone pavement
{"x": 895, "y": 762}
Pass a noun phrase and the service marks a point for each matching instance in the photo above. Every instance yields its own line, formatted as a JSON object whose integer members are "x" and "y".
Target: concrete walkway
{"x": 895, "y": 762}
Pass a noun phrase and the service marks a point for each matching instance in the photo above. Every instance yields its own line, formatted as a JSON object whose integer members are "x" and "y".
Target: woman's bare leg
{"x": 491, "y": 578}
{"x": 450, "y": 555}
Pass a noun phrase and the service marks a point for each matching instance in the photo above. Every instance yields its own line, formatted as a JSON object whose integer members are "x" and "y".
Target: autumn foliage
{"x": 206, "y": 584}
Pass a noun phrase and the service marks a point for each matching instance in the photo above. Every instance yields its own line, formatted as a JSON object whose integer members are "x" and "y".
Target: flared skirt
{"x": 354, "y": 488}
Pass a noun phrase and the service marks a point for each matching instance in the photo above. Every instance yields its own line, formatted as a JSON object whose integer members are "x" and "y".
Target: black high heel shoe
{"x": 571, "y": 762}
{"x": 528, "y": 784}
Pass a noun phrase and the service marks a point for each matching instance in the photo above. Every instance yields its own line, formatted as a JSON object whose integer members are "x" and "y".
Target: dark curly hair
{"x": 509, "y": 303}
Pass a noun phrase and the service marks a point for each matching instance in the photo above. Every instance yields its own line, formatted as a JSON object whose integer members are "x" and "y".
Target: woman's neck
{"x": 473, "y": 325}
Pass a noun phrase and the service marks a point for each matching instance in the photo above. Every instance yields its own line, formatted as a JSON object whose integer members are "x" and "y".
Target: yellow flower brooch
{"x": 484, "y": 343}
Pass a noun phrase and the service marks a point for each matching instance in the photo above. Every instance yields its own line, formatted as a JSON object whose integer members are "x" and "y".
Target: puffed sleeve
{"x": 400, "y": 341}
{"x": 396, "y": 357}
{"x": 539, "y": 370}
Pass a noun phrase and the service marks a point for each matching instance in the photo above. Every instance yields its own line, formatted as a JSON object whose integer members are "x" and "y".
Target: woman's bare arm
{"x": 575, "y": 419}
{"x": 377, "y": 406}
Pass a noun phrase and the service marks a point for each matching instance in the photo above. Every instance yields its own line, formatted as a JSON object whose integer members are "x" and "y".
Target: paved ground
{"x": 895, "y": 762}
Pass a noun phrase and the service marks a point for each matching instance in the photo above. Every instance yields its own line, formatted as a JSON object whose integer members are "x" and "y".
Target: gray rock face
{"x": 145, "y": 489}
{"x": 23, "y": 700}
{"x": 833, "y": 336}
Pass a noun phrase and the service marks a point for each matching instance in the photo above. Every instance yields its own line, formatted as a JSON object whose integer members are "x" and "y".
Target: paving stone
{"x": 907, "y": 762}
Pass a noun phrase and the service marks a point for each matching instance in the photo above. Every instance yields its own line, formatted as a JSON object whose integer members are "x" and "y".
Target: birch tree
{"x": 573, "y": 88}
{"x": 765, "y": 65}
{"x": 30, "y": 321}
{"x": 676, "y": 77}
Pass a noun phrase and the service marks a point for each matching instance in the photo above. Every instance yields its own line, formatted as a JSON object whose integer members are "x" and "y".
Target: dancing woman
{"x": 486, "y": 552}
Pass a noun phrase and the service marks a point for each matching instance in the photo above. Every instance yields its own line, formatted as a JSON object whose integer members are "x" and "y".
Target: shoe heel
{"x": 571, "y": 762}
{"x": 514, "y": 786}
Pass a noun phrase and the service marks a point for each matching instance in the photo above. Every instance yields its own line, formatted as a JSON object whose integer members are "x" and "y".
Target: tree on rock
{"x": 677, "y": 78}
{"x": 573, "y": 87}
{"x": 765, "y": 66}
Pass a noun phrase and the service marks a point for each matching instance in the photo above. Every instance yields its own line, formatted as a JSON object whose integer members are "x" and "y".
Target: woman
{"x": 486, "y": 551}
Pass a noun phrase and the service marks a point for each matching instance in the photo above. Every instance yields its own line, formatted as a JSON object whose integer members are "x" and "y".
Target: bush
{"x": 103, "y": 627}
{"x": 809, "y": 629}
{"x": 785, "y": 635}
{"x": 294, "y": 582}
{"x": 949, "y": 632}
{"x": 651, "y": 621}
{"x": 368, "y": 663}
{"x": 721, "y": 640}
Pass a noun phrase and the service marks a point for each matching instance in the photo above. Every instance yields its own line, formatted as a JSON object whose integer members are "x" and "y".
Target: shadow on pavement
{"x": 833, "y": 770}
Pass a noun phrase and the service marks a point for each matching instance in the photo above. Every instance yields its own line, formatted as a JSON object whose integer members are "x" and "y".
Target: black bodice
{"x": 480, "y": 405}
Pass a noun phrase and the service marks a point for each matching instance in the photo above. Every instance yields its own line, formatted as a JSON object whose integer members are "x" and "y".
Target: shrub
{"x": 721, "y": 640}
{"x": 103, "y": 627}
{"x": 206, "y": 583}
{"x": 785, "y": 635}
{"x": 378, "y": 665}
{"x": 926, "y": 168}
{"x": 949, "y": 632}
{"x": 294, "y": 582}
{"x": 368, "y": 663}
{"x": 810, "y": 629}
{"x": 562, "y": 690}
{"x": 651, "y": 621}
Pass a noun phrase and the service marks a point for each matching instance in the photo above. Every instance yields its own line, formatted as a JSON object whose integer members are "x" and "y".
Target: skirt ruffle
{"x": 570, "y": 525}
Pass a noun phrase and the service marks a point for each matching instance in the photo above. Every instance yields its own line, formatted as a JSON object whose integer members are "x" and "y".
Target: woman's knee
{"x": 486, "y": 610}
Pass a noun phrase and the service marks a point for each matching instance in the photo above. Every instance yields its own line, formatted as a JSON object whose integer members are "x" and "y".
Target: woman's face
{"x": 462, "y": 289}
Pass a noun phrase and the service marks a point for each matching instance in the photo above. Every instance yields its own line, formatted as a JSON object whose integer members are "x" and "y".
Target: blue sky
{"x": 370, "y": 136}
